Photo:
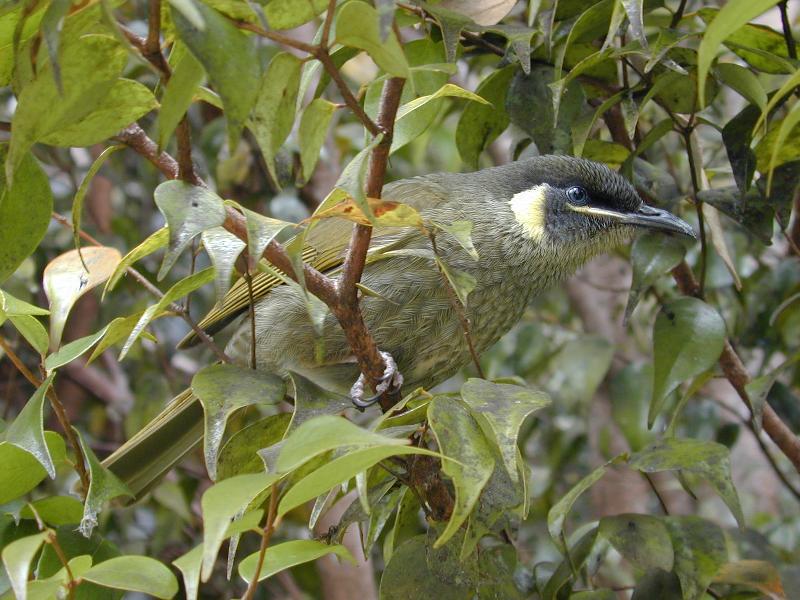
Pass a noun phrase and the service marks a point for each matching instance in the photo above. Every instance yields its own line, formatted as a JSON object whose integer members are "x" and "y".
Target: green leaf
{"x": 273, "y": 114}
{"x": 658, "y": 585}
{"x": 122, "y": 105}
{"x": 261, "y": 231}
{"x": 411, "y": 557}
{"x": 357, "y": 26}
{"x": 630, "y": 390}
{"x": 69, "y": 352}
{"x": 220, "y": 504}
{"x": 700, "y": 551}
{"x": 709, "y": 460}
{"x": 568, "y": 568}
{"x": 33, "y": 331}
{"x": 187, "y": 75}
{"x": 339, "y": 471}
{"x": 730, "y": 18}
{"x": 17, "y": 557}
{"x": 51, "y": 25}
{"x": 179, "y": 290}
{"x": 26, "y": 431}
{"x": 642, "y": 539}
{"x": 757, "y": 575}
{"x": 189, "y": 210}
{"x": 558, "y": 513}
{"x": 480, "y": 124}
{"x": 25, "y": 209}
{"x": 90, "y": 66}
{"x": 71, "y": 275}
{"x": 289, "y": 554}
{"x": 460, "y": 438}
{"x": 502, "y": 408}
{"x": 324, "y": 433}
{"x": 352, "y": 177}
{"x": 104, "y": 487}
{"x": 54, "y": 510}
{"x": 651, "y": 257}
{"x": 229, "y": 57}
{"x": 789, "y": 124}
{"x": 688, "y": 337}
{"x": 311, "y": 400}
{"x": 579, "y": 368}
{"x": 312, "y": 133}
{"x": 225, "y": 388}
{"x": 462, "y": 233}
{"x": 223, "y": 249}
{"x": 13, "y": 306}
{"x": 21, "y": 471}
{"x": 153, "y": 242}
{"x": 462, "y": 282}
{"x": 240, "y": 453}
{"x": 118, "y": 330}
{"x": 134, "y": 574}
{"x": 758, "y": 389}
{"x": 743, "y": 82}
{"x": 189, "y": 565}
{"x": 288, "y": 14}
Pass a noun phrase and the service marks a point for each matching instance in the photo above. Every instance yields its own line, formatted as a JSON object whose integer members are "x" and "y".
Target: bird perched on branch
{"x": 533, "y": 223}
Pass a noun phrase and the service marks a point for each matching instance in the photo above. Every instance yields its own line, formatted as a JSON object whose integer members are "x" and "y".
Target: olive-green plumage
{"x": 534, "y": 222}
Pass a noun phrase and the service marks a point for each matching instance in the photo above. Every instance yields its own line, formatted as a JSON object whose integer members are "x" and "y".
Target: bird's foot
{"x": 390, "y": 380}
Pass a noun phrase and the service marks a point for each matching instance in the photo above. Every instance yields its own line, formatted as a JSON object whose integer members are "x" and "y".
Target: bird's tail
{"x": 150, "y": 454}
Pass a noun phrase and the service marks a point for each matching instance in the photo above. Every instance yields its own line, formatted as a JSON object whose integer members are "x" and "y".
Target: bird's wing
{"x": 324, "y": 249}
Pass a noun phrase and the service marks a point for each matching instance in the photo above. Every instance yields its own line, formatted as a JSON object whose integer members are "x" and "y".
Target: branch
{"x": 791, "y": 46}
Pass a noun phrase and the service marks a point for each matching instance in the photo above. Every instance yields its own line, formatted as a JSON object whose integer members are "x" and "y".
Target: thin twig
{"x": 657, "y": 493}
{"x": 687, "y": 139}
{"x": 676, "y": 18}
{"x": 326, "y": 26}
{"x": 52, "y": 539}
{"x": 791, "y": 46}
{"x": 277, "y": 37}
{"x": 265, "y": 536}
{"x": 252, "y": 309}
{"x": 327, "y": 62}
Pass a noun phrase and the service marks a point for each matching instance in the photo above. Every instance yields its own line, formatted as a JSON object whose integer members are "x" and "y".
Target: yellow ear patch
{"x": 529, "y": 210}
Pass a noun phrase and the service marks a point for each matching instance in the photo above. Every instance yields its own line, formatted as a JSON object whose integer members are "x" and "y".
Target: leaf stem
{"x": 265, "y": 537}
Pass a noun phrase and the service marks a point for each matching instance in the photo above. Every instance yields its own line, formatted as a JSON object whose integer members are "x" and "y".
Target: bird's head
{"x": 571, "y": 203}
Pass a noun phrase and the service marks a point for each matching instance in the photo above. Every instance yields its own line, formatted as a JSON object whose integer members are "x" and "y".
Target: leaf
{"x": 386, "y": 213}
{"x": 104, "y": 487}
{"x": 240, "y": 453}
{"x": 69, "y": 352}
{"x": 153, "y": 242}
{"x": 51, "y": 25}
{"x": 21, "y": 471}
{"x": 17, "y": 558}
{"x": 54, "y": 510}
{"x": 187, "y": 75}
{"x": 116, "y": 331}
{"x": 758, "y": 388}
{"x": 134, "y": 574}
{"x": 65, "y": 280}
{"x": 324, "y": 433}
{"x": 189, "y": 210}
{"x": 12, "y": 306}
{"x": 283, "y": 556}
{"x": 633, "y": 8}
{"x": 310, "y": 400}
{"x": 558, "y": 513}
{"x": 312, "y": 133}
{"x": 26, "y": 431}
{"x": 351, "y": 180}
{"x": 737, "y": 135}
{"x": 261, "y": 231}
{"x": 688, "y": 338}
{"x": 179, "y": 290}
{"x": 25, "y": 209}
{"x": 274, "y": 110}
{"x": 189, "y": 565}
{"x": 220, "y": 504}
{"x": 357, "y": 26}
{"x": 340, "y": 470}
{"x": 123, "y": 104}
{"x": 462, "y": 282}
{"x": 574, "y": 559}
{"x": 759, "y": 575}
{"x": 229, "y": 57}
{"x": 483, "y": 13}
{"x": 451, "y": 24}
{"x": 788, "y": 124}
{"x": 462, "y": 233}
{"x": 700, "y": 551}
{"x": 658, "y": 585}
{"x": 225, "y": 388}
{"x": 652, "y": 256}
{"x": 730, "y": 18}
{"x": 480, "y": 124}
{"x": 642, "y": 539}
{"x": 630, "y": 391}
{"x": 709, "y": 460}
{"x": 90, "y": 66}
{"x": 223, "y": 249}
{"x": 502, "y": 408}
{"x": 744, "y": 83}
{"x": 33, "y": 331}
{"x": 288, "y": 14}
{"x": 460, "y": 438}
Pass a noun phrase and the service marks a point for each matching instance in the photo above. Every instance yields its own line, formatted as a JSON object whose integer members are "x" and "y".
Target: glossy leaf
{"x": 240, "y": 453}
{"x": 261, "y": 231}
{"x": 288, "y": 14}
{"x": 312, "y": 133}
{"x": 65, "y": 280}
{"x": 652, "y": 256}
{"x": 225, "y": 388}
{"x": 223, "y": 248}
{"x": 500, "y": 409}
{"x": 708, "y": 459}
{"x": 153, "y": 242}
{"x": 189, "y": 565}
{"x": 17, "y": 557}
{"x": 25, "y": 208}
{"x": 187, "y": 75}
{"x": 743, "y": 82}
{"x": 289, "y": 554}
{"x": 69, "y": 352}
{"x": 574, "y": 559}
{"x": 26, "y": 431}
{"x": 688, "y": 337}
{"x": 33, "y": 332}
{"x": 642, "y": 539}
{"x": 460, "y": 438}
{"x": 117, "y": 331}
{"x": 310, "y": 400}
{"x": 357, "y": 26}
{"x": 700, "y": 551}
{"x": 134, "y": 574}
{"x": 189, "y": 210}
{"x": 21, "y": 471}
{"x": 12, "y": 306}
{"x": 55, "y": 510}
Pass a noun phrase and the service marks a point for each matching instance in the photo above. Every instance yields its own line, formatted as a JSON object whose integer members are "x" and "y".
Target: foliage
{"x": 697, "y": 105}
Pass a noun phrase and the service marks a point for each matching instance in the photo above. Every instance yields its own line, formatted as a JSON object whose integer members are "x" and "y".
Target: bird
{"x": 532, "y": 222}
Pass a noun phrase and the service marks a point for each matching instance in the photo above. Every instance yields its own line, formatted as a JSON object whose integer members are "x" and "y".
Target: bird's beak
{"x": 647, "y": 216}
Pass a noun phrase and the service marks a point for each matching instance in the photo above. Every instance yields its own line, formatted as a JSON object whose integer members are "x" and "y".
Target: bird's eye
{"x": 577, "y": 195}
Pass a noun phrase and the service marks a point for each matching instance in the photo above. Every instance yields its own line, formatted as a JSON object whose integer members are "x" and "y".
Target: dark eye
{"x": 577, "y": 195}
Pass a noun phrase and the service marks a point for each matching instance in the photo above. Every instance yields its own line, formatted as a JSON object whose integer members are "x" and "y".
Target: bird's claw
{"x": 390, "y": 380}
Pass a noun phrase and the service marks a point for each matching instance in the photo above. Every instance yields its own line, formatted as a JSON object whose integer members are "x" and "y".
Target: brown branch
{"x": 137, "y": 140}
{"x": 736, "y": 373}
{"x": 265, "y": 537}
{"x": 277, "y": 37}
{"x": 326, "y": 26}
{"x": 322, "y": 55}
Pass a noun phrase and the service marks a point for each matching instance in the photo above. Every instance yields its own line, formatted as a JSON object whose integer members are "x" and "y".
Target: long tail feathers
{"x": 150, "y": 454}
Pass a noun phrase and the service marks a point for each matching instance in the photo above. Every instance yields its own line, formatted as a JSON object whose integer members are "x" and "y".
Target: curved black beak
{"x": 659, "y": 220}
